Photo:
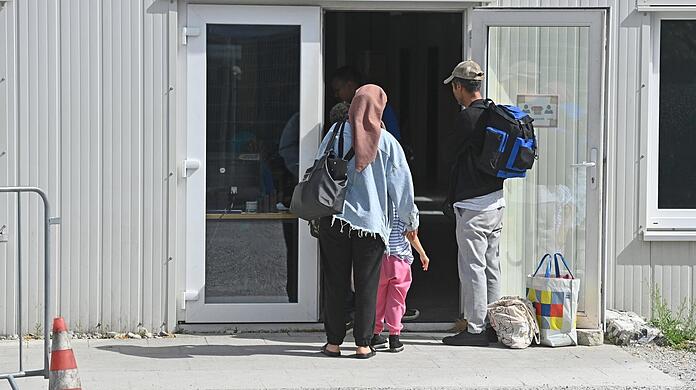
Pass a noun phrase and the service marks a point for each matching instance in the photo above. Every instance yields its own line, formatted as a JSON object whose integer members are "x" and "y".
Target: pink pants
{"x": 394, "y": 281}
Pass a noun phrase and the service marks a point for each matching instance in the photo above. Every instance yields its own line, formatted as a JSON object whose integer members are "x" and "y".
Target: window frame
{"x": 661, "y": 224}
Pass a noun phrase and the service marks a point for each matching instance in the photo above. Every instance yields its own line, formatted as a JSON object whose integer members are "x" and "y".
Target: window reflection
{"x": 252, "y": 146}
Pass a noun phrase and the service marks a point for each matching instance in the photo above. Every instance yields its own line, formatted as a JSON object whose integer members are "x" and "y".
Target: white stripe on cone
{"x": 61, "y": 341}
{"x": 65, "y": 379}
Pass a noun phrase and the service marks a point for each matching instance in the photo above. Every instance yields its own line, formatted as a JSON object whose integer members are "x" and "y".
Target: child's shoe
{"x": 395, "y": 344}
{"x": 378, "y": 341}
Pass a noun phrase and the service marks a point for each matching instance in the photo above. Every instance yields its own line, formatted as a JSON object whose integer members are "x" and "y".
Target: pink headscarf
{"x": 365, "y": 116}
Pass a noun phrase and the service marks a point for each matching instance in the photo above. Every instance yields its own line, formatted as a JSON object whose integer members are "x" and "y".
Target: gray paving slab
{"x": 291, "y": 360}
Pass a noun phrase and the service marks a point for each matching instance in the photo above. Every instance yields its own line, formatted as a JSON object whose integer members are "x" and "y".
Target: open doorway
{"x": 409, "y": 54}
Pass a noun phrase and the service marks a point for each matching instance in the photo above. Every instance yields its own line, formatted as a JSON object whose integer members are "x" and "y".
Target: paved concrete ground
{"x": 245, "y": 361}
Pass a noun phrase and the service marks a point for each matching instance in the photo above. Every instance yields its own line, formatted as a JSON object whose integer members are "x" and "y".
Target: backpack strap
{"x": 487, "y": 103}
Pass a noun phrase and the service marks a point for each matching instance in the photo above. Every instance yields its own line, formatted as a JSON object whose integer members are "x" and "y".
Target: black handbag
{"x": 322, "y": 190}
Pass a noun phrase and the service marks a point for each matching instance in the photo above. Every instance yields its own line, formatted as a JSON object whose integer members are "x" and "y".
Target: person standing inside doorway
{"x": 478, "y": 204}
{"x": 345, "y": 81}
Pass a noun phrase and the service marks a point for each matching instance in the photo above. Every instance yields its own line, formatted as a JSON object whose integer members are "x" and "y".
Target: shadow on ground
{"x": 189, "y": 351}
{"x": 291, "y": 346}
{"x": 422, "y": 338}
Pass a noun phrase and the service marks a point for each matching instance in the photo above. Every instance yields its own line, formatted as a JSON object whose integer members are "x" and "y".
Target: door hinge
{"x": 191, "y": 295}
{"x": 189, "y": 32}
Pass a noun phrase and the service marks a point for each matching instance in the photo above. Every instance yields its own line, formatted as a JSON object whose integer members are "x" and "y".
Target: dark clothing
{"x": 290, "y": 236}
{"x": 342, "y": 248}
{"x": 466, "y": 180}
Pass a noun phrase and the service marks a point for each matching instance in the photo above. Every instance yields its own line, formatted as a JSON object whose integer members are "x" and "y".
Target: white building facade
{"x": 159, "y": 131}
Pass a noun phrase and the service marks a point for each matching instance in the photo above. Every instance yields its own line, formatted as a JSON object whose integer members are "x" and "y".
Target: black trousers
{"x": 341, "y": 250}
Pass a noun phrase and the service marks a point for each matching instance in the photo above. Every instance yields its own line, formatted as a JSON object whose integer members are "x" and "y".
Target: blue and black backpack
{"x": 510, "y": 146}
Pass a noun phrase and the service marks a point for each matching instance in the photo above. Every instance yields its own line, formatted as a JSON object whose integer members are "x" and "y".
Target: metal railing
{"x": 48, "y": 221}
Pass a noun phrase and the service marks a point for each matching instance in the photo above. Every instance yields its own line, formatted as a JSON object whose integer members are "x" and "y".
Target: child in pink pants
{"x": 394, "y": 281}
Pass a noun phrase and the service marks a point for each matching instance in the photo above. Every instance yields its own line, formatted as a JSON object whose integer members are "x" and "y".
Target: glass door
{"x": 254, "y": 114}
{"x": 550, "y": 63}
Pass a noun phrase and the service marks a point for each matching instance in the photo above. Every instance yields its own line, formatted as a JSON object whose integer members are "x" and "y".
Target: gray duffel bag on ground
{"x": 322, "y": 191}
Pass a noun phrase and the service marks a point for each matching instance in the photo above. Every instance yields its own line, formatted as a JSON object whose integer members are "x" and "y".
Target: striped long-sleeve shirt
{"x": 398, "y": 244}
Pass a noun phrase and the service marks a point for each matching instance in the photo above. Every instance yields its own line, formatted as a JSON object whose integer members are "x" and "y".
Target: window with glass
{"x": 545, "y": 71}
{"x": 677, "y": 118}
{"x": 671, "y": 129}
{"x": 252, "y": 160}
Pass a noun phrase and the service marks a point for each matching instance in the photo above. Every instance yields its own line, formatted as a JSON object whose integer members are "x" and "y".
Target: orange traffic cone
{"x": 62, "y": 374}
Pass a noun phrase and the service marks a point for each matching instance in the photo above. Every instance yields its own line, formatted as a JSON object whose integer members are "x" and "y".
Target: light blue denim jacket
{"x": 373, "y": 193}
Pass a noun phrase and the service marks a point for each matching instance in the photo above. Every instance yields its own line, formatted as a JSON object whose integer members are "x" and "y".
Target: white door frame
{"x": 311, "y": 116}
{"x": 482, "y": 19}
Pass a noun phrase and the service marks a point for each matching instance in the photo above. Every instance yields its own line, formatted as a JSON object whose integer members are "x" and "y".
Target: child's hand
{"x": 425, "y": 261}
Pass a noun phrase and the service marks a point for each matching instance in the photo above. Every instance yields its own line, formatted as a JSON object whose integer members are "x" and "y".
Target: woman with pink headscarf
{"x": 379, "y": 183}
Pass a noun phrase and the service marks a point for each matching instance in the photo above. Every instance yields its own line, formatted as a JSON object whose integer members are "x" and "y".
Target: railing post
{"x": 19, "y": 280}
{"x": 47, "y": 280}
{"x": 48, "y": 272}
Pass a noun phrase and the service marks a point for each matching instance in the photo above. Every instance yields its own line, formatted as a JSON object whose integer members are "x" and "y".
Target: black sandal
{"x": 368, "y": 355}
{"x": 329, "y": 353}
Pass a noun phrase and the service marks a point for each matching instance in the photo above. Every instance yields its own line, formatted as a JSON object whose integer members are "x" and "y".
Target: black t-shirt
{"x": 466, "y": 180}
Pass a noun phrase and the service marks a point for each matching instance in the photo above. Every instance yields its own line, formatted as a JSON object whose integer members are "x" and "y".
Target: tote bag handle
{"x": 555, "y": 258}
{"x": 543, "y": 259}
{"x": 557, "y": 267}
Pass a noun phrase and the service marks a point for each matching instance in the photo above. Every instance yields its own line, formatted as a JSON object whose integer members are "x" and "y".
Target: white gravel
{"x": 678, "y": 364}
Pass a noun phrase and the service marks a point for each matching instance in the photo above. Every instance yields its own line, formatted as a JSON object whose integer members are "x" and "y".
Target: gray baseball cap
{"x": 468, "y": 70}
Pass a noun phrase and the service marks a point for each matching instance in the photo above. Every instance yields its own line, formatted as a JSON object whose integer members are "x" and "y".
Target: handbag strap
{"x": 334, "y": 135}
{"x": 349, "y": 155}
{"x": 341, "y": 145}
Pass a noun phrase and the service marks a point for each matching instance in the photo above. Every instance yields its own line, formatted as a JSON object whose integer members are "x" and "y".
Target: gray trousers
{"x": 478, "y": 240}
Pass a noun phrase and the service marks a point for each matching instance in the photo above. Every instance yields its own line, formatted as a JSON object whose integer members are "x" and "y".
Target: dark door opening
{"x": 409, "y": 54}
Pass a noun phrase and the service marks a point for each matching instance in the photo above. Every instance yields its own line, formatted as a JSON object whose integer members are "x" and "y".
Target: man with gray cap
{"x": 478, "y": 204}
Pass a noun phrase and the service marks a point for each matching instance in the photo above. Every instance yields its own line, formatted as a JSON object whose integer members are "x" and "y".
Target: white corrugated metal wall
{"x": 91, "y": 85}
{"x": 633, "y": 265}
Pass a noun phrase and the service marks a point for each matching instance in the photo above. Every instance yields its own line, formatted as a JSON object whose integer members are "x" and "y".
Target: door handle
{"x": 189, "y": 165}
{"x": 584, "y": 164}
{"x": 591, "y": 166}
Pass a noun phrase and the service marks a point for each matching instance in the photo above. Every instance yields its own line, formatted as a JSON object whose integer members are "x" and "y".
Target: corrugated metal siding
{"x": 8, "y": 166}
{"x": 123, "y": 160}
{"x": 134, "y": 171}
{"x": 37, "y": 140}
{"x": 155, "y": 173}
{"x": 92, "y": 84}
{"x": 80, "y": 163}
{"x": 633, "y": 265}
